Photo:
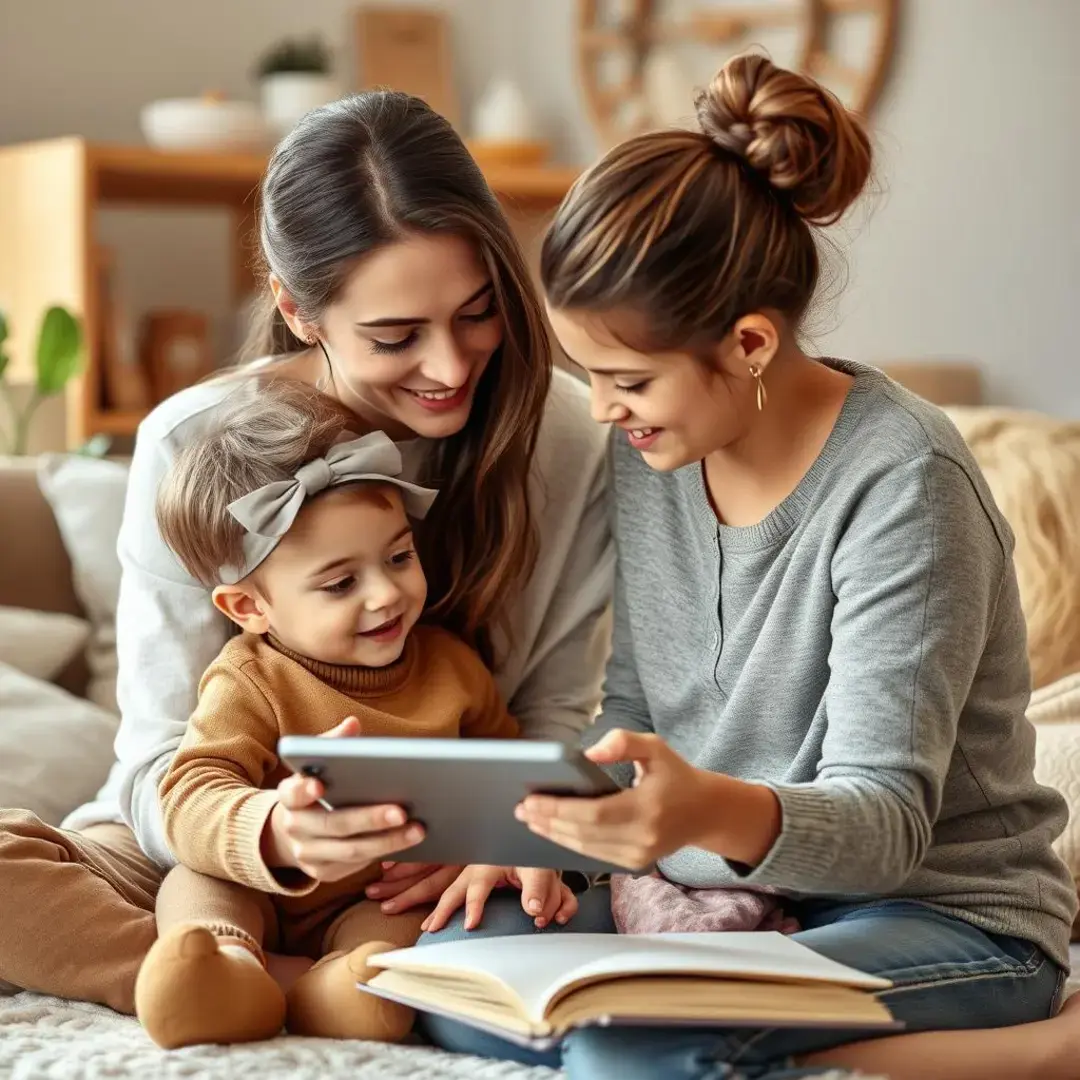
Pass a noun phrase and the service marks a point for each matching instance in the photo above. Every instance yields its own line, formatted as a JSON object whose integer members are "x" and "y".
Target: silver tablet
{"x": 463, "y": 791}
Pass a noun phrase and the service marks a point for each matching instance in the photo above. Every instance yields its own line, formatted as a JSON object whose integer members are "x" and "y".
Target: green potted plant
{"x": 295, "y": 77}
{"x": 57, "y": 358}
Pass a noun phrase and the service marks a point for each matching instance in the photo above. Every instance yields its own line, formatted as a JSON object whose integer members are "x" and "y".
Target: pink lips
{"x": 447, "y": 404}
{"x": 387, "y": 631}
{"x": 646, "y": 441}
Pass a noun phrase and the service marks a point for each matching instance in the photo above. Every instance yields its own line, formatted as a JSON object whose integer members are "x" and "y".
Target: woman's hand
{"x": 407, "y": 885}
{"x": 544, "y": 895}
{"x": 671, "y": 805}
{"x": 329, "y": 845}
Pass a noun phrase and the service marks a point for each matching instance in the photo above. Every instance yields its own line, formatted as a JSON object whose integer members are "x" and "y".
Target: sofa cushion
{"x": 1032, "y": 464}
{"x": 55, "y": 749}
{"x": 87, "y": 499}
{"x": 40, "y": 643}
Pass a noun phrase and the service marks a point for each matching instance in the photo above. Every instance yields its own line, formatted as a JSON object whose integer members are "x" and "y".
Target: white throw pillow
{"x": 40, "y": 643}
{"x": 87, "y": 500}
{"x": 55, "y": 749}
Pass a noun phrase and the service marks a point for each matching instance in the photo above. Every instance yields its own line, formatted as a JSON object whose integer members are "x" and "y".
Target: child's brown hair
{"x": 693, "y": 230}
{"x": 259, "y": 438}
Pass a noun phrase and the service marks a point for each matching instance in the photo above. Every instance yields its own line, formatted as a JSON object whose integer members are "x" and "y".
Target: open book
{"x": 533, "y": 989}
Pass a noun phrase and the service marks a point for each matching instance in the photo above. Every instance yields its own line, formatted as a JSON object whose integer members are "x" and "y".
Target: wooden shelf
{"x": 137, "y": 174}
{"x": 50, "y": 192}
{"x": 541, "y": 187}
{"x": 140, "y": 174}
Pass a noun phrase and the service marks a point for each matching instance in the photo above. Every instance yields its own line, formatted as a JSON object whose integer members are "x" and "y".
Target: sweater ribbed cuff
{"x": 808, "y": 846}
{"x": 243, "y": 850}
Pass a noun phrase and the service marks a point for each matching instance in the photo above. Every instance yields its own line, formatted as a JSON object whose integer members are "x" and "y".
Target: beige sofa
{"x": 35, "y": 571}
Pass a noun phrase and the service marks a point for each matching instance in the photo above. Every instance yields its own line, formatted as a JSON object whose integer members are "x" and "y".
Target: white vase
{"x": 503, "y": 114}
{"x": 288, "y": 95}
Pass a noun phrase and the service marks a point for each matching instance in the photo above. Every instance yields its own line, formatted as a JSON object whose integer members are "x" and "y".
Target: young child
{"x": 302, "y": 530}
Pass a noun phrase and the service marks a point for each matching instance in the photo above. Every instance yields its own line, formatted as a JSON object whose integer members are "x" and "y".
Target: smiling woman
{"x": 393, "y": 284}
{"x": 381, "y": 280}
{"x": 404, "y": 349}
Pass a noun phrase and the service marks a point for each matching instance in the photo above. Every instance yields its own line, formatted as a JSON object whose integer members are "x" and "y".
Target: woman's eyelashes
{"x": 402, "y": 558}
{"x": 482, "y": 316}
{"x": 633, "y": 388}
{"x": 385, "y": 347}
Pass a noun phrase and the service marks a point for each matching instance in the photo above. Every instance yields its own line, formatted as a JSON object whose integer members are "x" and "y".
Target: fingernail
{"x": 423, "y": 926}
{"x": 535, "y": 907}
{"x": 560, "y": 919}
{"x": 387, "y": 865}
{"x": 389, "y": 907}
{"x": 519, "y": 813}
{"x": 414, "y": 834}
{"x": 373, "y": 891}
{"x": 395, "y": 816}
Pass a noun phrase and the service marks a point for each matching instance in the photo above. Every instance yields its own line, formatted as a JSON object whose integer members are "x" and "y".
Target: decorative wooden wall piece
{"x": 634, "y": 36}
{"x": 406, "y": 48}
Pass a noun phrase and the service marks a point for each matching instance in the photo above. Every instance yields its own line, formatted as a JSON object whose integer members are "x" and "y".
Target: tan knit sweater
{"x": 219, "y": 791}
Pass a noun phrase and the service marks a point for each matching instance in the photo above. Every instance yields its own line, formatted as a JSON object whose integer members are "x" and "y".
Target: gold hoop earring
{"x": 762, "y": 395}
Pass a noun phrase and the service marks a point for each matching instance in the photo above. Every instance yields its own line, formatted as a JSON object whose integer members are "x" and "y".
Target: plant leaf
{"x": 59, "y": 350}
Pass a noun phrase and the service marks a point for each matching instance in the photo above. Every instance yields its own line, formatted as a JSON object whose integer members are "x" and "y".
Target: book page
{"x": 537, "y": 968}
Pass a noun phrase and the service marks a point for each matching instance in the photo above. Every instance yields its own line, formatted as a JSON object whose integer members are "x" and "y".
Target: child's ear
{"x": 243, "y": 606}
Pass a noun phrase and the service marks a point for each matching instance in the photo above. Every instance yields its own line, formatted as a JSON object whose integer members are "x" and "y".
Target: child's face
{"x": 344, "y": 586}
{"x": 675, "y": 409}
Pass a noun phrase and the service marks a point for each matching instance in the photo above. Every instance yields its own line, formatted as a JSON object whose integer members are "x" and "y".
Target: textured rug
{"x": 43, "y": 1038}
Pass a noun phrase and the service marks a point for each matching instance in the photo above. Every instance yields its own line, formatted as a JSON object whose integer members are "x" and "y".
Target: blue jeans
{"x": 947, "y": 974}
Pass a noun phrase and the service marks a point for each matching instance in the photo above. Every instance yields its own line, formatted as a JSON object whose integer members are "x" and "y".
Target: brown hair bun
{"x": 790, "y": 129}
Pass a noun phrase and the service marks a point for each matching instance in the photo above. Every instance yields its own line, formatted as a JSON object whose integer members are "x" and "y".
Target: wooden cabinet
{"x": 49, "y": 195}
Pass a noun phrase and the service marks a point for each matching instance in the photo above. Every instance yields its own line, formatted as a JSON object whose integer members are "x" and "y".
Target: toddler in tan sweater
{"x": 302, "y": 531}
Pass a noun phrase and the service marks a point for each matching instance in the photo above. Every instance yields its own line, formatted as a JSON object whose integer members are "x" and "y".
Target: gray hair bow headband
{"x": 268, "y": 513}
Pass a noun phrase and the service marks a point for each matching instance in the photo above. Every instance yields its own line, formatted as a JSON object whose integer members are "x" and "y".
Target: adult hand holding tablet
{"x": 462, "y": 792}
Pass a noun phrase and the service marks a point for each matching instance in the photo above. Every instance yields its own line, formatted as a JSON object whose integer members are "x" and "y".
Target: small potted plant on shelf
{"x": 294, "y": 77}
{"x": 57, "y": 359}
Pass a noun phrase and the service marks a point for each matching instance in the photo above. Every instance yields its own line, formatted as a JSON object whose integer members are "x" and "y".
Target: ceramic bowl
{"x": 204, "y": 124}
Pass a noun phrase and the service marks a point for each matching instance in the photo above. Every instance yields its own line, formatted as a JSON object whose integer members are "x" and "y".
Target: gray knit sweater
{"x": 861, "y": 651}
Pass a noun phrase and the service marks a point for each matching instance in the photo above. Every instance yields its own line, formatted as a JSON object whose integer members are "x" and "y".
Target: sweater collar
{"x": 353, "y": 679}
{"x": 776, "y": 526}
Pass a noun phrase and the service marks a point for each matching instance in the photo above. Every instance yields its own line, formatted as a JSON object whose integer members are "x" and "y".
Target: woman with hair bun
{"x": 818, "y": 678}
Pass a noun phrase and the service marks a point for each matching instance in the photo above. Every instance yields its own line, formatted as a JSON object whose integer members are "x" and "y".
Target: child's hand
{"x": 329, "y": 845}
{"x": 407, "y": 885}
{"x": 543, "y": 895}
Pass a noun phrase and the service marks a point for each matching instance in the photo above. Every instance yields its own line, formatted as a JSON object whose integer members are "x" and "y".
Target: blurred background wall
{"x": 972, "y": 251}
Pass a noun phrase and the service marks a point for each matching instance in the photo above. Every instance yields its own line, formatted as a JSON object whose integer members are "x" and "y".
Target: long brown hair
{"x": 693, "y": 230}
{"x": 361, "y": 173}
